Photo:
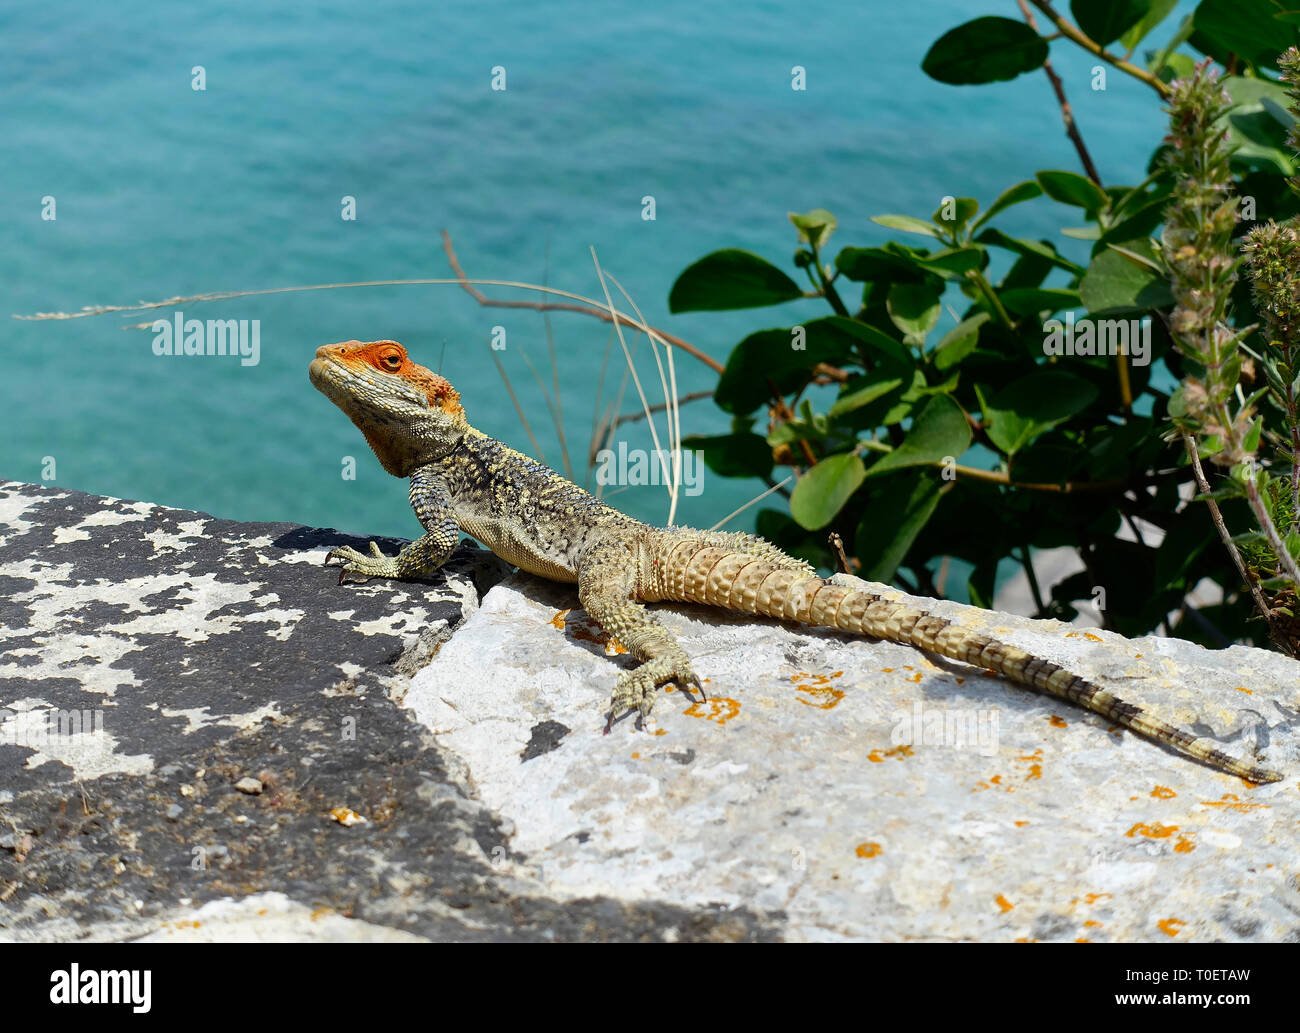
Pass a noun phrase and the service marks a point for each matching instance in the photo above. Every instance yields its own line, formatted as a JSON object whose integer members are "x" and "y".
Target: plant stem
{"x": 1067, "y": 113}
{"x": 1190, "y": 445}
{"x": 1089, "y": 44}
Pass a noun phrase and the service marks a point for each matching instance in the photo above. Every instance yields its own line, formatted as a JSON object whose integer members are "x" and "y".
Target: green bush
{"x": 990, "y": 440}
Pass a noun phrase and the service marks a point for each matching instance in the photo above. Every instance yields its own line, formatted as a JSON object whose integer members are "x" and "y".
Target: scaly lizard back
{"x": 463, "y": 480}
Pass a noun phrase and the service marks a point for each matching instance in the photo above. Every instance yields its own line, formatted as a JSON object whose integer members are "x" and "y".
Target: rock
{"x": 830, "y": 787}
{"x": 251, "y": 786}
{"x": 146, "y": 649}
{"x": 869, "y": 791}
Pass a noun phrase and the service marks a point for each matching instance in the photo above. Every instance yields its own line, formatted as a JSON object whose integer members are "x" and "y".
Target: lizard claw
{"x": 637, "y": 690}
{"x": 366, "y": 567}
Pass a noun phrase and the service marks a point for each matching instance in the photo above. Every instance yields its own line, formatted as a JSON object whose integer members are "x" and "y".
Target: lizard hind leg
{"x": 606, "y": 589}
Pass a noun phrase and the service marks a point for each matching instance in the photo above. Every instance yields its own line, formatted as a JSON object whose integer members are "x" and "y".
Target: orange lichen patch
{"x": 1233, "y": 803}
{"x": 1137, "y": 656}
{"x": 818, "y": 686}
{"x": 1163, "y": 793}
{"x": 1082, "y": 939}
{"x": 1184, "y": 845}
{"x": 1021, "y": 824}
{"x": 660, "y": 731}
{"x": 346, "y": 816}
{"x": 1085, "y": 634}
{"x": 1153, "y": 831}
{"x": 878, "y": 756}
{"x": 320, "y": 913}
{"x": 1170, "y": 926}
{"x": 1024, "y": 939}
{"x": 720, "y": 709}
{"x": 1242, "y": 688}
{"x": 584, "y": 629}
{"x": 914, "y": 677}
{"x": 1057, "y": 722}
{"x": 1092, "y": 923}
{"x": 1092, "y": 898}
{"x": 868, "y": 850}
{"x": 1035, "y": 773}
{"x": 886, "y": 670}
{"x": 1003, "y": 903}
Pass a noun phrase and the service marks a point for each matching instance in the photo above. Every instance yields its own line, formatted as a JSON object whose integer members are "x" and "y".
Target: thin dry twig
{"x": 1260, "y": 603}
{"x": 752, "y": 502}
{"x": 591, "y": 308}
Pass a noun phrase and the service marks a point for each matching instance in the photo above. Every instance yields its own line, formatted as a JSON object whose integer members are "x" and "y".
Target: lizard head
{"x": 407, "y": 413}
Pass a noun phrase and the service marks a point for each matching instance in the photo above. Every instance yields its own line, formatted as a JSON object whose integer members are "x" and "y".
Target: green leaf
{"x": 1106, "y": 20}
{"x": 1157, "y": 62}
{"x": 963, "y": 210}
{"x": 954, "y": 262}
{"x": 914, "y": 309}
{"x": 939, "y": 430}
{"x": 733, "y": 455}
{"x": 1115, "y": 282}
{"x": 1249, "y": 28}
{"x": 1072, "y": 188}
{"x": 772, "y": 356}
{"x": 866, "y": 390}
{"x": 730, "y": 279}
{"x": 1025, "y": 191}
{"x": 1141, "y": 223}
{"x": 823, "y": 490}
{"x": 959, "y": 342}
{"x": 1025, "y": 300}
{"x": 1258, "y": 123}
{"x": 989, "y": 49}
{"x": 892, "y": 263}
{"x": 1035, "y": 248}
{"x": 1157, "y": 12}
{"x": 815, "y": 227}
{"x": 898, "y": 513}
{"x": 1026, "y": 407}
{"x": 907, "y": 224}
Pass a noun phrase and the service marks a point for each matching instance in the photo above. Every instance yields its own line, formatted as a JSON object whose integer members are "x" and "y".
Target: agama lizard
{"x": 530, "y": 516}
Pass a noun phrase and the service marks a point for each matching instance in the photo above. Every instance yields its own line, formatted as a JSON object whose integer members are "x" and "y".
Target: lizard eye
{"x": 391, "y": 361}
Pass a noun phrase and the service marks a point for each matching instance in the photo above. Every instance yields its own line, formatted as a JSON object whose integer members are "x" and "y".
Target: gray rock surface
{"x": 420, "y": 784}
{"x": 868, "y": 791}
{"x": 196, "y": 653}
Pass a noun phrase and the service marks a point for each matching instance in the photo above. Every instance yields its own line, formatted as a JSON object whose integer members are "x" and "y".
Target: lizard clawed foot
{"x": 636, "y": 690}
{"x": 353, "y": 562}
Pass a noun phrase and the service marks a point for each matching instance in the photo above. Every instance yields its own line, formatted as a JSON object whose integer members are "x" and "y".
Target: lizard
{"x": 464, "y": 480}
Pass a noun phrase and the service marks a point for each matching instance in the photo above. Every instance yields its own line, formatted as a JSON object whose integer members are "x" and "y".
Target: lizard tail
{"x": 762, "y": 580}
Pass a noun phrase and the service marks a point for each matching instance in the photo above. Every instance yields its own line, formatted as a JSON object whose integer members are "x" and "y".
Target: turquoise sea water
{"x": 162, "y": 191}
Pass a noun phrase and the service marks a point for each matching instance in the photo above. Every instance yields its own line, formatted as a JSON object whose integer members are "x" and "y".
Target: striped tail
{"x": 765, "y": 581}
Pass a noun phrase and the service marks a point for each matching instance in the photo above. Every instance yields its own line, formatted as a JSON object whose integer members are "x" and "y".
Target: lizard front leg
{"x": 607, "y": 591}
{"x": 432, "y": 505}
